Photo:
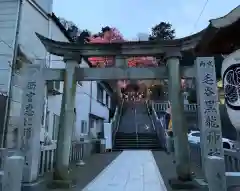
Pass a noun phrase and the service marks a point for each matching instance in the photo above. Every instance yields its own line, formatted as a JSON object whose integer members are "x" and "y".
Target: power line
{"x": 200, "y": 15}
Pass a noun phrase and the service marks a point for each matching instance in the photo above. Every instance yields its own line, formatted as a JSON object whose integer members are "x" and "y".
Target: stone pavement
{"x": 84, "y": 174}
{"x": 168, "y": 170}
{"x": 132, "y": 170}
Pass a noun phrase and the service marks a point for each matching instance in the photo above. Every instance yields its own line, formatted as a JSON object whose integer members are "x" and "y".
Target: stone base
{"x": 62, "y": 184}
{"x": 177, "y": 184}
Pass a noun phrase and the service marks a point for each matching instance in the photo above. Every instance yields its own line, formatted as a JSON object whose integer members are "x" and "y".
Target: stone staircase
{"x": 124, "y": 141}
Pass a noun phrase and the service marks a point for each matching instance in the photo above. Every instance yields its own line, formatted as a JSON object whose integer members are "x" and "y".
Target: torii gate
{"x": 72, "y": 54}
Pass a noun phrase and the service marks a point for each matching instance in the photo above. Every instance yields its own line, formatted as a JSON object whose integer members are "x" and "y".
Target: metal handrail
{"x": 147, "y": 105}
{"x": 118, "y": 119}
{"x": 160, "y": 131}
{"x": 136, "y": 127}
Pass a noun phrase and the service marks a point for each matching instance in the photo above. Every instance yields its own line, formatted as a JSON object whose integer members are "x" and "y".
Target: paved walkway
{"x": 130, "y": 171}
{"x": 83, "y": 174}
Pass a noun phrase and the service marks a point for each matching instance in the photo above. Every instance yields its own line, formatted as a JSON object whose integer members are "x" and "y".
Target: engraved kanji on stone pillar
{"x": 209, "y": 116}
{"x": 30, "y": 124}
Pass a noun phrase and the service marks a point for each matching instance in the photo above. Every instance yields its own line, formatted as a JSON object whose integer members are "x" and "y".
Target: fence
{"x": 47, "y": 157}
{"x": 162, "y": 106}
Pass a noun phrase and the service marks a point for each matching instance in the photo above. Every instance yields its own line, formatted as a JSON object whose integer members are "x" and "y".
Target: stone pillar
{"x": 209, "y": 116}
{"x": 61, "y": 174}
{"x": 30, "y": 120}
{"x": 179, "y": 127}
{"x": 12, "y": 174}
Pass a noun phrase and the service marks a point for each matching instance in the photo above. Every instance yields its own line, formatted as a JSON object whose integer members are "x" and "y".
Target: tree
{"x": 162, "y": 31}
{"x": 83, "y": 37}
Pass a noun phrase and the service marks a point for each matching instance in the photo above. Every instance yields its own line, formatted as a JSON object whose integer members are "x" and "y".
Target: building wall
{"x": 86, "y": 104}
{"x": 8, "y": 23}
{"x": 86, "y": 97}
{"x": 32, "y": 20}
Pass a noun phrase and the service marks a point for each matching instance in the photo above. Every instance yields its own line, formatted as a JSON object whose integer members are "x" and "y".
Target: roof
{"x": 221, "y": 36}
{"x": 216, "y": 39}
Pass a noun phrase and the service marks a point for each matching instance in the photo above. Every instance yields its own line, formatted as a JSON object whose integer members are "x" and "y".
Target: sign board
{"x": 208, "y": 109}
{"x": 30, "y": 125}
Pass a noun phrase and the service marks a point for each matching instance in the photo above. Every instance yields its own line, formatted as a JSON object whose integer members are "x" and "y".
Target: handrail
{"x": 136, "y": 127}
{"x": 161, "y": 132}
{"x": 117, "y": 119}
{"x": 147, "y": 105}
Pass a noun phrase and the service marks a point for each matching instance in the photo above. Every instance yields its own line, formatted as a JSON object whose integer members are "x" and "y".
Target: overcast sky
{"x": 138, "y": 16}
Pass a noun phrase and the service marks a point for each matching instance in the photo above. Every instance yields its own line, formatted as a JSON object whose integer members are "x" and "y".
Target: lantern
{"x": 231, "y": 84}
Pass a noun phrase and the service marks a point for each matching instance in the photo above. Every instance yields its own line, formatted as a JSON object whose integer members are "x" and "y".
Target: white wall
{"x": 85, "y": 94}
{"x": 98, "y": 108}
{"x": 8, "y": 23}
{"x": 34, "y": 20}
{"x": 31, "y": 20}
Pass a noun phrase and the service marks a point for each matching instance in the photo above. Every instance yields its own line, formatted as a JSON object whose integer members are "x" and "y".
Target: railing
{"x": 159, "y": 126}
{"x": 232, "y": 163}
{"x": 75, "y": 152}
{"x": 47, "y": 157}
{"x": 150, "y": 115}
{"x": 116, "y": 121}
{"x": 232, "y": 160}
{"x": 164, "y": 105}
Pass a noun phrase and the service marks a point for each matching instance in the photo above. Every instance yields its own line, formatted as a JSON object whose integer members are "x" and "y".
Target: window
{"x": 100, "y": 125}
{"x": 91, "y": 122}
{"x": 84, "y": 129}
{"x": 99, "y": 93}
{"x": 56, "y": 119}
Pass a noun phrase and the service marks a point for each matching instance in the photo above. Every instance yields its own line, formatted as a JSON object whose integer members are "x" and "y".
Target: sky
{"x": 139, "y": 16}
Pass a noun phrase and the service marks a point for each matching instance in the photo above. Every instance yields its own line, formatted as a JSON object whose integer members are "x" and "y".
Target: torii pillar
{"x": 179, "y": 128}
{"x": 61, "y": 172}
